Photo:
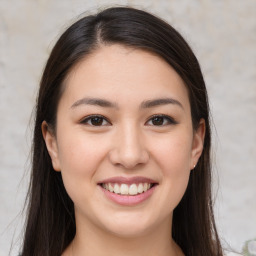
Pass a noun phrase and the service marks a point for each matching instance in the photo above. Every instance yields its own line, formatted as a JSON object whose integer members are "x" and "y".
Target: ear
{"x": 51, "y": 144}
{"x": 198, "y": 143}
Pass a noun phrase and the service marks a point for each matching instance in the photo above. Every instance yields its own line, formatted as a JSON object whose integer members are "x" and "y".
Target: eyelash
{"x": 89, "y": 119}
{"x": 170, "y": 120}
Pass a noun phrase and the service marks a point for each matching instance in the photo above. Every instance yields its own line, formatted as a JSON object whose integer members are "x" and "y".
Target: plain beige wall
{"x": 223, "y": 36}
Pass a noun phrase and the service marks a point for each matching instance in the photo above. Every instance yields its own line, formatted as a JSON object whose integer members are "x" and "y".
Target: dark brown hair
{"x": 50, "y": 225}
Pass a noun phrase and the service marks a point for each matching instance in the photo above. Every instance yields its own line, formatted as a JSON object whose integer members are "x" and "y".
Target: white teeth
{"x": 110, "y": 187}
{"x": 140, "y": 188}
{"x": 133, "y": 189}
{"x": 116, "y": 189}
{"x": 125, "y": 189}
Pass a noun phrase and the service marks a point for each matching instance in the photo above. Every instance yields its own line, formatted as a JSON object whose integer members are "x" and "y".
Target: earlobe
{"x": 51, "y": 144}
{"x": 198, "y": 143}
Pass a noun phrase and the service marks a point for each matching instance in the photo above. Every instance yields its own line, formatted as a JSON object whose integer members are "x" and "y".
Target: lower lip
{"x": 128, "y": 200}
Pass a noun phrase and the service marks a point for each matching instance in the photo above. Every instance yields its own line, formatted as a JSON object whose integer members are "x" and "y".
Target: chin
{"x": 129, "y": 232}
{"x": 130, "y": 227}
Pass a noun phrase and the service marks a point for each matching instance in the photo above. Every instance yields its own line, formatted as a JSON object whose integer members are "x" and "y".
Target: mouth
{"x": 128, "y": 191}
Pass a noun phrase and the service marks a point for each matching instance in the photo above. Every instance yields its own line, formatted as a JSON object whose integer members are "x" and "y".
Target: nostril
{"x": 129, "y": 158}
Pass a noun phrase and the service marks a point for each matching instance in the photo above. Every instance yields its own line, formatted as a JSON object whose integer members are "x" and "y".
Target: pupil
{"x": 97, "y": 121}
{"x": 157, "y": 120}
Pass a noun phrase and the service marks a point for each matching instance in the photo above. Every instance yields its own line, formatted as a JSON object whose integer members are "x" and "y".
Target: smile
{"x": 126, "y": 189}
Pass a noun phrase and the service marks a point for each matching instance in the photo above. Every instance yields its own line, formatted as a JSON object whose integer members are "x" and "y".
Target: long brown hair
{"x": 50, "y": 225}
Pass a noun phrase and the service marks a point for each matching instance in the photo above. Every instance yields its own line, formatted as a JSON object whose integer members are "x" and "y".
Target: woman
{"x": 121, "y": 153}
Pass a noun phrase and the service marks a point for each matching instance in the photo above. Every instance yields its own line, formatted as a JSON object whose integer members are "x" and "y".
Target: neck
{"x": 93, "y": 241}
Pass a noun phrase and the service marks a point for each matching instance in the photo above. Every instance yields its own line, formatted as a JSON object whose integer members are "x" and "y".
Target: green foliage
{"x": 249, "y": 248}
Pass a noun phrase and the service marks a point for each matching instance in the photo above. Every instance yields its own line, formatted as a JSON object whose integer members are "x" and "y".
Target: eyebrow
{"x": 95, "y": 102}
{"x": 109, "y": 104}
{"x": 159, "y": 102}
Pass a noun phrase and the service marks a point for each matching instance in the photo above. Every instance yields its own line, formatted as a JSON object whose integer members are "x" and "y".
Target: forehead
{"x": 124, "y": 75}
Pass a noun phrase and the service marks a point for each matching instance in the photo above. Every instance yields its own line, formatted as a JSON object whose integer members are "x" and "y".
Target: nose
{"x": 129, "y": 149}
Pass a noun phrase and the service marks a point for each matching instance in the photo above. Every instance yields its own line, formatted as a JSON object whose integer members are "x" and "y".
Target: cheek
{"x": 79, "y": 153}
{"x": 176, "y": 164}
{"x": 173, "y": 153}
{"x": 79, "y": 157}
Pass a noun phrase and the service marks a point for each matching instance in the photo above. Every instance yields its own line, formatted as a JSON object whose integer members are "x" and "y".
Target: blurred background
{"x": 222, "y": 34}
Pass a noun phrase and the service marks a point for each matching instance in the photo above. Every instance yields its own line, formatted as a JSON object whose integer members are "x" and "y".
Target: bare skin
{"x": 124, "y": 113}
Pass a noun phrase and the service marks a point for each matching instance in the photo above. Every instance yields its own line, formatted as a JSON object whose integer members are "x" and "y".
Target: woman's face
{"x": 124, "y": 141}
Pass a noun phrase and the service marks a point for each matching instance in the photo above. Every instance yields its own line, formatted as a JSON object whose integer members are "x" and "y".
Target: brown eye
{"x": 96, "y": 120}
{"x": 158, "y": 120}
{"x": 161, "y": 120}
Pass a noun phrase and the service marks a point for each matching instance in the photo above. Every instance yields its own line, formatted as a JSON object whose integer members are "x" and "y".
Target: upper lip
{"x": 127, "y": 180}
